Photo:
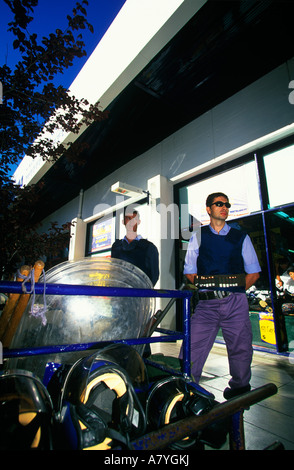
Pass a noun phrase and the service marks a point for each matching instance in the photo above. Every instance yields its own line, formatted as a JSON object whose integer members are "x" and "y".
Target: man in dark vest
{"x": 222, "y": 257}
{"x": 138, "y": 251}
{"x": 135, "y": 249}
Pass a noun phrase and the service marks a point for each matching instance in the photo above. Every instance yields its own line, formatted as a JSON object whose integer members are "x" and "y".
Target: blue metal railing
{"x": 70, "y": 289}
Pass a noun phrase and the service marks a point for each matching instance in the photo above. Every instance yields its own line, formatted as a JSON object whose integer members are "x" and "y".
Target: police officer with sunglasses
{"x": 223, "y": 264}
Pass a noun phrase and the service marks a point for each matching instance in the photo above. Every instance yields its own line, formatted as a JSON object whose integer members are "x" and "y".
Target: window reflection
{"x": 281, "y": 225}
{"x": 279, "y": 168}
{"x": 239, "y": 184}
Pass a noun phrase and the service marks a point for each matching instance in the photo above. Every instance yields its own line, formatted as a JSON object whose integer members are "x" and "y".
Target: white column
{"x": 161, "y": 233}
{"x": 77, "y": 242}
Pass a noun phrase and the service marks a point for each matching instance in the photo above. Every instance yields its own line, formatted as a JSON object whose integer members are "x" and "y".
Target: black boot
{"x": 234, "y": 392}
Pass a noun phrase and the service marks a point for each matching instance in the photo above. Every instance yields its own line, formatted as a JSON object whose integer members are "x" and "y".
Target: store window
{"x": 281, "y": 241}
{"x": 279, "y": 169}
{"x": 239, "y": 184}
{"x": 243, "y": 196}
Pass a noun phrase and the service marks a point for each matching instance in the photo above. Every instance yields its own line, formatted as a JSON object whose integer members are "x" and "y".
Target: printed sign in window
{"x": 102, "y": 234}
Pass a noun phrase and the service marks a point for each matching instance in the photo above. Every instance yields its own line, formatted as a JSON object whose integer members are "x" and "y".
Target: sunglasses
{"x": 221, "y": 204}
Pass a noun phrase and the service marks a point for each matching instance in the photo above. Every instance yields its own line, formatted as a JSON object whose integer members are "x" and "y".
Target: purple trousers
{"x": 231, "y": 314}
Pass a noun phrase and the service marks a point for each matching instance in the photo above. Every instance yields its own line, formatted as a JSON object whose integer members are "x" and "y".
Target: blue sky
{"x": 50, "y": 15}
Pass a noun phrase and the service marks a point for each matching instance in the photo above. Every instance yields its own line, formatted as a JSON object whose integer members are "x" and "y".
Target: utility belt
{"x": 219, "y": 286}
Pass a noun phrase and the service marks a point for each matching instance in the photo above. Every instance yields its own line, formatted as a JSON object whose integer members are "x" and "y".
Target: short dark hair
{"x": 212, "y": 196}
{"x": 290, "y": 270}
{"x": 130, "y": 210}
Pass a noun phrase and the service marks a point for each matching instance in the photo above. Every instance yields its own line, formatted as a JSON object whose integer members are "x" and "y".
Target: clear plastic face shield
{"x": 72, "y": 319}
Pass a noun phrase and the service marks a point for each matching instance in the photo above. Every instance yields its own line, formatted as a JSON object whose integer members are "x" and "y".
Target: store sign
{"x": 267, "y": 327}
{"x": 102, "y": 235}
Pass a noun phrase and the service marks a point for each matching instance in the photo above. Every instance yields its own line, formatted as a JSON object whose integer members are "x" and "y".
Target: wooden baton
{"x": 12, "y": 302}
{"x": 20, "y": 307}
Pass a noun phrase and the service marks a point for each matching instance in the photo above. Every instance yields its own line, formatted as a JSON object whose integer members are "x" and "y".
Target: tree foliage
{"x": 21, "y": 241}
{"x": 33, "y": 110}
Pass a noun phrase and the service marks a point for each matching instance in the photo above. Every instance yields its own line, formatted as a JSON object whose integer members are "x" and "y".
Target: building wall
{"x": 257, "y": 111}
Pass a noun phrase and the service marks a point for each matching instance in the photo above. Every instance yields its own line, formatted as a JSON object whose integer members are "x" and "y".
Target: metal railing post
{"x": 186, "y": 366}
{"x": 236, "y": 432}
